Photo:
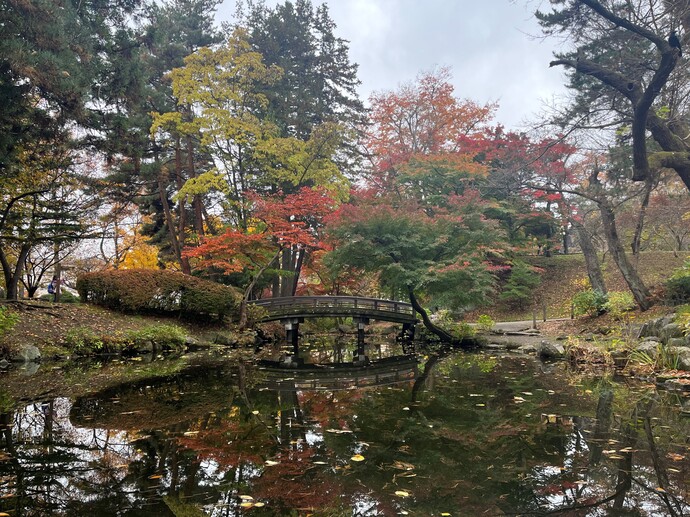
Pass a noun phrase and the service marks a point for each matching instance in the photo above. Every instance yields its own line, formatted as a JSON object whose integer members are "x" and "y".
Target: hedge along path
{"x": 158, "y": 291}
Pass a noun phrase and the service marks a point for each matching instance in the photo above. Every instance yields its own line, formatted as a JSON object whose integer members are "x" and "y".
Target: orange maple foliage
{"x": 423, "y": 118}
{"x": 278, "y": 221}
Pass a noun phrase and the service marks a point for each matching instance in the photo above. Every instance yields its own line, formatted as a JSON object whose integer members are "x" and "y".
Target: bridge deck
{"x": 336, "y": 306}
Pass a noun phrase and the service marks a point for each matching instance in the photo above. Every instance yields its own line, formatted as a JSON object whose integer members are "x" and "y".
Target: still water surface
{"x": 452, "y": 434}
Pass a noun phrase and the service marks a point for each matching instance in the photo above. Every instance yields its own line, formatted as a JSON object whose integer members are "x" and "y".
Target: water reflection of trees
{"x": 615, "y": 462}
{"x": 454, "y": 438}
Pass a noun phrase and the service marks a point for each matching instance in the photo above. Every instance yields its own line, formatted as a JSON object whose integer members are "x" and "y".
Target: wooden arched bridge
{"x": 335, "y": 307}
{"x": 292, "y": 311}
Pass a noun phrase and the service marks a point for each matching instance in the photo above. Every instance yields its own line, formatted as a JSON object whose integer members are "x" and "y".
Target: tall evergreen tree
{"x": 132, "y": 86}
{"x": 51, "y": 53}
{"x": 318, "y": 87}
{"x": 319, "y": 83}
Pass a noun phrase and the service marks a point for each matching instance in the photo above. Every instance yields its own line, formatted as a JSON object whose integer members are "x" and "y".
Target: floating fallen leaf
{"x": 445, "y": 514}
{"x": 255, "y": 412}
{"x": 3, "y": 514}
{"x": 320, "y": 463}
{"x": 659, "y": 489}
{"x": 518, "y": 400}
{"x": 527, "y": 393}
{"x": 616, "y": 457}
{"x": 246, "y": 498}
{"x": 246, "y": 504}
{"x": 475, "y": 394}
{"x": 191, "y": 433}
{"x": 156, "y": 476}
{"x": 259, "y": 504}
{"x": 357, "y": 457}
{"x": 401, "y": 465}
{"x": 338, "y": 431}
{"x": 480, "y": 405}
{"x": 612, "y": 451}
{"x": 402, "y": 493}
{"x": 271, "y": 463}
{"x": 675, "y": 457}
{"x": 406, "y": 408}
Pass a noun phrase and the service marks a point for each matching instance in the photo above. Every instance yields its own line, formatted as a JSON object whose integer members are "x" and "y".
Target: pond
{"x": 450, "y": 433}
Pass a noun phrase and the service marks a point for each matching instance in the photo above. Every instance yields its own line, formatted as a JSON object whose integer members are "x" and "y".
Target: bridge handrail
{"x": 335, "y": 302}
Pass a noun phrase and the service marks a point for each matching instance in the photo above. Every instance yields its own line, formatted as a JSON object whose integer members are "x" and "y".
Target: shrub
{"x": 163, "y": 334}
{"x": 683, "y": 318}
{"x": 618, "y": 303}
{"x": 522, "y": 281}
{"x": 677, "y": 287}
{"x": 65, "y": 297}
{"x": 485, "y": 323}
{"x": 589, "y": 302}
{"x": 152, "y": 290}
{"x": 8, "y": 320}
{"x": 84, "y": 341}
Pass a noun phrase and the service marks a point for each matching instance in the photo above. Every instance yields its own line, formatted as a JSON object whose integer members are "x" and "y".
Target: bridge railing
{"x": 324, "y": 304}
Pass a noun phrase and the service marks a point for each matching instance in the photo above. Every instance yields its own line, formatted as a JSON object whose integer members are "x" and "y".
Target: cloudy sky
{"x": 491, "y": 46}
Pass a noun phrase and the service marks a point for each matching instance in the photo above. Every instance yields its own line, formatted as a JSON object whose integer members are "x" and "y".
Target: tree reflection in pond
{"x": 460, "y": 434}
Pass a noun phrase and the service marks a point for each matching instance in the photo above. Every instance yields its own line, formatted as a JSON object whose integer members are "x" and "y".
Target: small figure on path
{"x": 53, "y": 288}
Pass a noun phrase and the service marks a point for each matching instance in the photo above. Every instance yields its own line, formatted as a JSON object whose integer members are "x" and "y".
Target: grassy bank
{"x": 565, "y": 275}
{"x": 81, "y": 329}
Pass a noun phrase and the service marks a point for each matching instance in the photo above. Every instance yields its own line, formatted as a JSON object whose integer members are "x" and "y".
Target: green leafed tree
{"x": 223, "y": 88}
{"x": 442, "y": 259}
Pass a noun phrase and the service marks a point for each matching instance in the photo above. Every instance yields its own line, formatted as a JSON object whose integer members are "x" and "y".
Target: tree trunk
{"x": 174, "y": 240}
{"x": 196, "y": 200}
{"x": 639, "y": 227}
{"x": 244, "y": 316}
{"x": 297, "y": 269}
{"x": 12, "y": 278}
{"x": 596, "y": 277}
{"x": 635, "y": 283}
{"x": 444, "y": 336}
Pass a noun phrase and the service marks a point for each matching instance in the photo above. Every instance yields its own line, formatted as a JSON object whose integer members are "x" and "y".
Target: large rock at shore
{"x": 548, "y": 350}
{"x": 653, "y": 327}
{"x": 682, "y": 354}
{"x": 670, "y": 331}
{"x": 650, "y": 348}
{"x": 26, "y": 354}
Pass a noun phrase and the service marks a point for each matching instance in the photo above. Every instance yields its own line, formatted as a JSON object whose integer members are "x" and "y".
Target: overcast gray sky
{"x": 489, "y": 45}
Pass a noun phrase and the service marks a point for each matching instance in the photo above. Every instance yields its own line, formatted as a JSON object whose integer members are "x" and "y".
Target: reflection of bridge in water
{"x": 291, "y": 311}
{"x": 344, "y": 376}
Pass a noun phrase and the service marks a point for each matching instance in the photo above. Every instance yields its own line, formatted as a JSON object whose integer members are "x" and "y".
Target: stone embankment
{"x": 664, "y": 336}
{"x": 655, "y": 337}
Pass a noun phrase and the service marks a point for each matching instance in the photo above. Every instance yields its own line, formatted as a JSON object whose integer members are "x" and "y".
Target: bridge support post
{"x": 360, "y": 356}
{"x": 292, "y": 337}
